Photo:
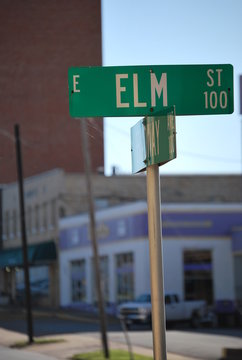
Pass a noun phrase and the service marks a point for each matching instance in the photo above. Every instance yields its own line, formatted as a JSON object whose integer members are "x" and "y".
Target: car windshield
{"x": 143, "y": 298}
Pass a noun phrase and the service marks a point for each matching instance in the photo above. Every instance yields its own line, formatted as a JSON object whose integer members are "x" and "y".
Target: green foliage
{"x": 114, "y": 355}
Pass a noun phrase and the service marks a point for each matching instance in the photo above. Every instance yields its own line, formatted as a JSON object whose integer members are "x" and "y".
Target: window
{"x": 14, "y": 223}
{"x": 10, "y": 225}
{"x": 39, "y": 281}
{"x": 6, "y": 226}
{"x": 167, "y": 299}
{"x": 37, "y": 218}
{"x": 53, "y": 214}
{"x": 44, "y": 217}
{"x": 124, "y": 277}
{"x": 103, "y": 263}
{"x": 18, "y": 225}
{"x": 62, "y": 212}
{"x": 198, "y": 275}
{"x": 78, "y": 281}
{"x": 29, "y": 220}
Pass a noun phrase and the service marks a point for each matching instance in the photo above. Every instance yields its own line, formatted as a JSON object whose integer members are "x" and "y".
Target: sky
{"x": 174, "y": 32}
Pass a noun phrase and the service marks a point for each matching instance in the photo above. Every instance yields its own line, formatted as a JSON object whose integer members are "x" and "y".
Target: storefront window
{"x": 14, "y": 223}
{"x": 53, "y": 215}
{"x": 18, "y": 224}
{"x": 198, "y": 275}
{"x": 44, "y": 217}
{"x": 39, "y": 284}
{"x": 78, "y": 280}
{"x": 29, "y": 220}
{"x": 124, "y": 277}
{"x": 103, "y": 263}
{"x": 36, "y": 218}
{"x": 6, "y": 226}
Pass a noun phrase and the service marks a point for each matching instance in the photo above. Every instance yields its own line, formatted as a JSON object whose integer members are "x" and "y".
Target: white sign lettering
{"x": 136, "y": 95}
{"x": 210, "y": 74}
{"x": 152, "y": 139}
{"x": 75, "y": 83}
{"x": 119, "y": 90}
{"x": 156, "y": 89}
{"x": 213, "y": 99}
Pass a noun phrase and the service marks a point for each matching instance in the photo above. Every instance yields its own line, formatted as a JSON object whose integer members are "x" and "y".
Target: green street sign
{"x": 143, "y": 90}
{"x": 153, "y": 140}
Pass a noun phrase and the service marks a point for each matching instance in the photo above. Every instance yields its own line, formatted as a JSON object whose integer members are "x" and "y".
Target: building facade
{"x": 54, "y": 195}
{"x": 202, "y": 253}
{"x": 43, "y": 207}
{"x": 40, "y": 40}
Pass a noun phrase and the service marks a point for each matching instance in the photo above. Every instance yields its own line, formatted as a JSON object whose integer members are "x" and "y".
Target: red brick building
{"x": 39, "y": 41}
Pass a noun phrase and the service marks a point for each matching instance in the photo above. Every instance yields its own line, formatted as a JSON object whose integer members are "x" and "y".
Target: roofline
{"x": 141, "y": 207}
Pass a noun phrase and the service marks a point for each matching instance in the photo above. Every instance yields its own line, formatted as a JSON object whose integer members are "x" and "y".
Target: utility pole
{"x": 23, "y": 232}
{"x": 87, "y": 164}
{"x": 240, "y": 103}
{"x": 1, "y": 218}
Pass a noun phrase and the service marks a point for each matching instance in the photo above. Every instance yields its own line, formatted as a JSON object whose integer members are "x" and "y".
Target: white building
{"x": 202, "y": 253}
{"x": 122, "y": 229}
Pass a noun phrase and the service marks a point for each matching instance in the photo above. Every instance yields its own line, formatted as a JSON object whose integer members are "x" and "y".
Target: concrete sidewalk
{"x": 72, "y": 344}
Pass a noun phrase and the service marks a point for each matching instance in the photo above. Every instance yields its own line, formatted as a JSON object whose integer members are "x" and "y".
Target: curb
{"x": 231, "y": 354}
{"x": 64, "y": 316}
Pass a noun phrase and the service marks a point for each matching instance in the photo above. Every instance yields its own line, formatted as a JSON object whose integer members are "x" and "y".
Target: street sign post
{"x": 153, "y": 143}
{"x": 156, "y": 262}
{"x": 143, "y": 90}
{"x": 149, "y": 91}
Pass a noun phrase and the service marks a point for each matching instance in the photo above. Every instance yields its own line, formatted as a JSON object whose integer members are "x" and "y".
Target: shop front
{"x": 42, "y": 263}
{"x": 197, "y": 253}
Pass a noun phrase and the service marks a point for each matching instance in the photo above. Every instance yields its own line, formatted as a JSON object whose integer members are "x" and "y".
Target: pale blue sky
{"x": 150, "y": 32}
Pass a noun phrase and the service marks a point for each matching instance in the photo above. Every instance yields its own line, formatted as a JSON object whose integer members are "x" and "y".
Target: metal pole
{"x": 1, "y": 218}
{"x": 156, "y": 265}
{"x": 87, "y": 163}
{"x": 240, "y": 100}
{"x": 23, "y": 231}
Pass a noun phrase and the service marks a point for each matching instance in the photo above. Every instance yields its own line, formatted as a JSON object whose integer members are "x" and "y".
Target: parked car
{"x": 228, "y": 312}
{"x": 139, "y": 311}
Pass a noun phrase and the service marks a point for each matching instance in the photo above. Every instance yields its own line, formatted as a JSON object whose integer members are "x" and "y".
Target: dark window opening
{"x": 198, "y": 277}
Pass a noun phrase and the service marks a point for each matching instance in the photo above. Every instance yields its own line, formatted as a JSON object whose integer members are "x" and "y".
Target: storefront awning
{"x": 37, "y": 254}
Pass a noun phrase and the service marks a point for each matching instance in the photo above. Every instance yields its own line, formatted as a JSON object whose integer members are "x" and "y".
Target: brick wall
{"x": 39, "y": 41}
{"x": 211, "y": 189}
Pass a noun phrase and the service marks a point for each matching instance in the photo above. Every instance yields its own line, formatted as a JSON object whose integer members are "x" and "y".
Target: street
{"x": 13, "y": 354}
{"x": 201, "y": 344}
{"x": 196, "y": 344}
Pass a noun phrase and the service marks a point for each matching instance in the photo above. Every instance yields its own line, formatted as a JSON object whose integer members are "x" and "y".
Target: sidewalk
{"x": 72, "y": 344}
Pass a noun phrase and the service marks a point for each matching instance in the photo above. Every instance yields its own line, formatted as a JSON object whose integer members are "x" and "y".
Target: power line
{"x": 187, "y": 153}
{"x": 122, "y": 132}
{"x": 210, "y": 158}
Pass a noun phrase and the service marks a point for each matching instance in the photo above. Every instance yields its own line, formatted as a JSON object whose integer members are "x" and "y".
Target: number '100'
{"x": 214, "y": 99}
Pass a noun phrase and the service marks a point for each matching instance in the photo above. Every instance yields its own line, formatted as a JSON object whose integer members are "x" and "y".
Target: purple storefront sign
{"x": 107, "y": 231}
{"x": 173, "y": 224}
{"x": 200, "y": 224}
{"x": 74, "y": 237}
